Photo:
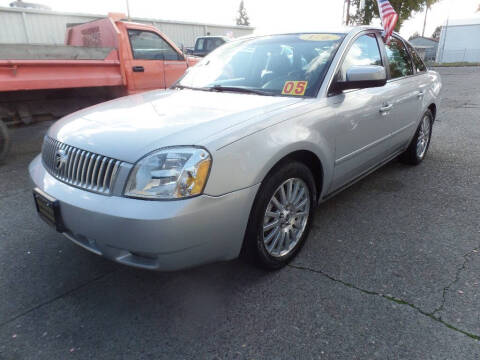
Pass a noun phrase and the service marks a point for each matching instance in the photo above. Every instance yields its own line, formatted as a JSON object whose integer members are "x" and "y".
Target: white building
{"x": 459, "y": 41}
{"x": 32, "y": 26}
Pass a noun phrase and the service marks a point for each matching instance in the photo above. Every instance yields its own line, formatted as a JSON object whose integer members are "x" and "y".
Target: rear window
{"x": 417, "y": 61}
{"x": 398, "y": 59}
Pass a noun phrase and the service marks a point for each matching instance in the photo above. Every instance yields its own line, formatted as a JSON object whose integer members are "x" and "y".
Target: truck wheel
{"x": 4, "y": 141}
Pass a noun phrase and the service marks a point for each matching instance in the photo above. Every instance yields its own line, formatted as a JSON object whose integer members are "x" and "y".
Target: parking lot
{"x": 390, "y": 271}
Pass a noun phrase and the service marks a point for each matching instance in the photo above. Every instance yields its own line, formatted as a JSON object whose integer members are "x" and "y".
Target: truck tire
{"x": 4, "y": 141}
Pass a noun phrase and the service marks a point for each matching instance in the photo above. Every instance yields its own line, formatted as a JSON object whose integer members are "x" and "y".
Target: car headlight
{"x": 171, "y": 173}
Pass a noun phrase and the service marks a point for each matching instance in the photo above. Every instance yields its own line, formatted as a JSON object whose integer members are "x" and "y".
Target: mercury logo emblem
{"x": 61, "y": 158}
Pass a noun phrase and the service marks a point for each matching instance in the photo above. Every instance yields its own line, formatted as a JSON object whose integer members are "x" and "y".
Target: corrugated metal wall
{"x": 46, "y": 27}
{"x": 459, "y": 43}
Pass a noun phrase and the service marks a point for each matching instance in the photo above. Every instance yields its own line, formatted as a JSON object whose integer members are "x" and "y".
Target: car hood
{"x": 132, "y": 126}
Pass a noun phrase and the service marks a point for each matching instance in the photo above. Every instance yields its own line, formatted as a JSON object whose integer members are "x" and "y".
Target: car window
{"x": 417, "y": 61}
{"x": 398, "y": 59}
{"x": 364, "y": 51}
{"x": 210, "y": 44}
{"x": 147, "y": 45}
{"x": 200, "y": 44}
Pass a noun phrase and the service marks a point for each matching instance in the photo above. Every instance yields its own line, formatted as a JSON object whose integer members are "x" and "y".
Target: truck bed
{"x": 37, "y": 67}
{"x": 52, "y": 52}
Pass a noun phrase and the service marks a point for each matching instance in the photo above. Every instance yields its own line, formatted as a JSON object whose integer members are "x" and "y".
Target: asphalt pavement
{"x": 390, "y": 271}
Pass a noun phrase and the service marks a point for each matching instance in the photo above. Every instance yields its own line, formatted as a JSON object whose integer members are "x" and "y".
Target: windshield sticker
{"x": 319, "y": 37}
{"x": 294, "y": 88}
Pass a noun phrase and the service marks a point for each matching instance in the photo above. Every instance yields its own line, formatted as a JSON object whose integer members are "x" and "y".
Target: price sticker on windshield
{"x": 294, "y": 88}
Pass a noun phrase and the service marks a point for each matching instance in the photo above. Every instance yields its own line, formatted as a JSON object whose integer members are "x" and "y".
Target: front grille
{"x": 79, "y": 168}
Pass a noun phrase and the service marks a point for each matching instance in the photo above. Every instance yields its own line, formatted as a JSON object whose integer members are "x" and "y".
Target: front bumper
{"x": 157, "y": 235}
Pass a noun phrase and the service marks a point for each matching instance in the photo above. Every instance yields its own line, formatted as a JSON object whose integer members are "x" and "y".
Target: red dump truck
{"x": 100, "y": 60}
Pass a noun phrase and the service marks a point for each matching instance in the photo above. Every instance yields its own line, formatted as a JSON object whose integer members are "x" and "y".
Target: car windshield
{"x": 288, "y": 65}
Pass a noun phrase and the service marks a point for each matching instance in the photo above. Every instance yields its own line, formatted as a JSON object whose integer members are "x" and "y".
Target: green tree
{"x": 414, "y": 35}
{"x": 242, "y": 18}
{"x": 404, "y": 9}
{"x": 436, "y": 33}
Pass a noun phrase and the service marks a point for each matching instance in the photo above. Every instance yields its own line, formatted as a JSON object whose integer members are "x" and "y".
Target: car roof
{"x": 341, "y": 30}
{"x": 332, "y": 30}
{"x": 212, "y": 37}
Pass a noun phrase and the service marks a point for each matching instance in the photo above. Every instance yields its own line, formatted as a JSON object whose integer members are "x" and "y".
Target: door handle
{"x": 386, "y": 108}
{"x": 138, "y": 69}
{"x": 420, "y": 94}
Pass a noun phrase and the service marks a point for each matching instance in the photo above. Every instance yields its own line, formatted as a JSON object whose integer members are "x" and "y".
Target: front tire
{"x": 417, "y": 150}
{"x": 281, "y": 215}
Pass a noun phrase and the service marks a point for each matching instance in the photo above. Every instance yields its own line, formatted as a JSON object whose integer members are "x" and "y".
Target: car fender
{"x": 247, "y": 161}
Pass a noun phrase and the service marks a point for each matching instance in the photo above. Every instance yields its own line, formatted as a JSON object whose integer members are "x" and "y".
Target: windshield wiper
{"x": 188, "y": 87}
{"x": 239, "y": 89}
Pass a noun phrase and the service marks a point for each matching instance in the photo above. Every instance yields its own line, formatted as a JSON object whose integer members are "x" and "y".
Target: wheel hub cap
{"x": 423, "y": 137}
{"x": 286, "y": 217}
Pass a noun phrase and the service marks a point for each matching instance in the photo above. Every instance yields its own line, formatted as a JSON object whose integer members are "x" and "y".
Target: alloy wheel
{"x": 423, "y": 137}
{"x": 286, "y": 217}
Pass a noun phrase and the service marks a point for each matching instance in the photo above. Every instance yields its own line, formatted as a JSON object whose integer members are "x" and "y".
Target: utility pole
{"x": 128, "y": 10}
{"x": 425, "y": 20}
{"x": 347, "y": 20}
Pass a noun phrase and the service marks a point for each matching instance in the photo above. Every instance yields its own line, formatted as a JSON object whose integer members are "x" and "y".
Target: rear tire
{"x": 417, "y": 150}
{"x": 280, "y": 220}
{"x": 4, "y": 141}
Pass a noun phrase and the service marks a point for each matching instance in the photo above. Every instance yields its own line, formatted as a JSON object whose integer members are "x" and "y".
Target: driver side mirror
{"x": 362, "y": 77}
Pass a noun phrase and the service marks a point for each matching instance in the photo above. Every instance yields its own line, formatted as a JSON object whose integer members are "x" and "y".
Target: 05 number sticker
{"x": 294, "y": 88}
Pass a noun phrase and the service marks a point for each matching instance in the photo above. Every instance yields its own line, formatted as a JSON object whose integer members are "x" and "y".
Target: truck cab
{"x": 206, "y": 44}
{"x": 150, "y": 60}
{"x": 155, "y": 61}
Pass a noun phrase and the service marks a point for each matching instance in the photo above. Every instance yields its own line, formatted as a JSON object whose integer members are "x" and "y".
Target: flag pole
{"x": 425, "y": 20}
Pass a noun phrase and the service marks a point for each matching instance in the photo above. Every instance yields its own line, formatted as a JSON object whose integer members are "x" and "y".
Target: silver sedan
{"x": 235, "y": 157}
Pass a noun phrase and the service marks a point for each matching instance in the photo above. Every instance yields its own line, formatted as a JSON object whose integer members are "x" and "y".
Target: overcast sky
{"x": 265, "y": 15}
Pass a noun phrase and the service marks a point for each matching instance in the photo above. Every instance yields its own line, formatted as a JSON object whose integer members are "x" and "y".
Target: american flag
{"x": 389, "y": 18}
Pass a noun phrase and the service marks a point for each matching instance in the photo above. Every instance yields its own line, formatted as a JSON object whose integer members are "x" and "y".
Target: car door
{"x": 361, "y": 126}
{"x": 155, "y": 63}
{"x": 423, "y": 80}
{"x": 403, "y": 96}
{"x": 147, "y": 63}
{"x": 174, "y": 66}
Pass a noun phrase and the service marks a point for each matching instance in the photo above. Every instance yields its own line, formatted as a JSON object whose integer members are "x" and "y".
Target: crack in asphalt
{"x": 454, "y": 281}
{"x": 390, "y": 298}
{"x": 49, "y": 301}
